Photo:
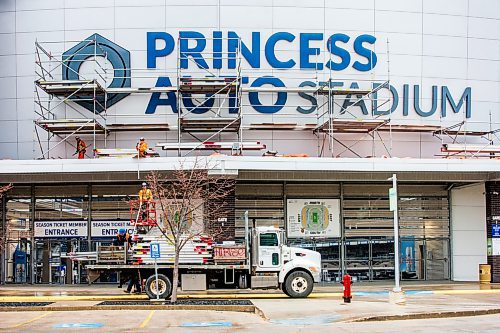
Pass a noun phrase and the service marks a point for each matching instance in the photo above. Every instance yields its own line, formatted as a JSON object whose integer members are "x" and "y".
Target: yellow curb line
{"x": 31, "y": 320}
{"x": 136, "y": 297}
{"x": 148, "y": 318}
{"x": 213, "y": 296}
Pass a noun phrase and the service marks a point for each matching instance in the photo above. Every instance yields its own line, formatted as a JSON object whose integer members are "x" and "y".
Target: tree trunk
{"x": 175, "y": 277}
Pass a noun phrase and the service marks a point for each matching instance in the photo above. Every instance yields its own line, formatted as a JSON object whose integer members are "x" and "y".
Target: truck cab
{"x": 274, "y": 264}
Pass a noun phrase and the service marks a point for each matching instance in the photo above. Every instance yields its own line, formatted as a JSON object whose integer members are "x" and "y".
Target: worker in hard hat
{"x": 122, "y": 238}
{"x": 142, "y": 148}
{"x": 145, "y": 196}
{"x": 81, "y": 148}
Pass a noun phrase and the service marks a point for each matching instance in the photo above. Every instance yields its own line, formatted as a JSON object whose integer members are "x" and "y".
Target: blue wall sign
{"x": 495, "y": 230}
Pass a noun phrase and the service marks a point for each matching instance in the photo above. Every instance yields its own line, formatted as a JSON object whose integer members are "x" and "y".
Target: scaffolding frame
{"x": 332, "y": 120}
{"x": 216, "y": 87}
{"x": 53, "y": 93}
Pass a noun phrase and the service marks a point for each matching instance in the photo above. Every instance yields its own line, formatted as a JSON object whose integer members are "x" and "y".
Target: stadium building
{"x": 311, "y": 106}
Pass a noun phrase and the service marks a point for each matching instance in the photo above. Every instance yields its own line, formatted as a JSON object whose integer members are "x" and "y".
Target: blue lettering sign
{"x": 252, "y": 57}
{"x": 416, "y": 101}
{"x": 344, "y": 56}
{"x": 152, "y": 52}
{"x": 155, "y": 99}
{"x": 446, "y": 96}
{"x": 193, "y": 52}
{"x": 254, "y": 96}
{"x": 270, "y": 50}
{"x": 364, "y": 52}
{"x": 306, "y": 51}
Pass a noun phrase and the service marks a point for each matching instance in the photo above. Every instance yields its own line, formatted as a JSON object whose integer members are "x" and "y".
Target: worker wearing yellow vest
{"x": 142, "y": 148}
{"x": 145, "y": 196}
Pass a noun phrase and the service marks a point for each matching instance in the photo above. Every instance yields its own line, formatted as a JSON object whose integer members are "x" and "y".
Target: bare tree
{"x": 190, "y": 203}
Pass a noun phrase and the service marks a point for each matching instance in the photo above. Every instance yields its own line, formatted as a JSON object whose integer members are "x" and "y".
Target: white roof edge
{"x": 249, "y": 163}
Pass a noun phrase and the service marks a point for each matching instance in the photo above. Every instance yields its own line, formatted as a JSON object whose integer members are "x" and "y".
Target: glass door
{"x": 437, "y": 263}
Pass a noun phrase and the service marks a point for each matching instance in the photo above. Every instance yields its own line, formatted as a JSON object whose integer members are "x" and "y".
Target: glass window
{"x": 269, "y": 239}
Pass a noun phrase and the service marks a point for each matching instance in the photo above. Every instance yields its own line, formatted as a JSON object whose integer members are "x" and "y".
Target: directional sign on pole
{"x": 393, "y": 199}
{"x": 154, "y": 250}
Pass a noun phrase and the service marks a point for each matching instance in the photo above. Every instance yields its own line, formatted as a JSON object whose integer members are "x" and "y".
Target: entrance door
{"x": 436, "y": 259}
{"x": 269, "y": 250}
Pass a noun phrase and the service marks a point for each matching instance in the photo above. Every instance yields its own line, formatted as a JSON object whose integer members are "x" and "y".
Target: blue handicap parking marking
{"x": 370, "y": 293}
{"x": 379, "y": 293}
{"x": 312, "y": 320}
{"x": 207, "y": 324}
{"x": 418, "y": 292}
{"x": 79, "y": 325}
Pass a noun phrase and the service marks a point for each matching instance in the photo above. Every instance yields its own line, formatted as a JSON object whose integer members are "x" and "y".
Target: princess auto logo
{"x": 92, "y": 47}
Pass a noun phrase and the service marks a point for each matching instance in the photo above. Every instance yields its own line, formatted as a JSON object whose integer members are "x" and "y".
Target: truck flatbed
{"x": 149, "y": 266}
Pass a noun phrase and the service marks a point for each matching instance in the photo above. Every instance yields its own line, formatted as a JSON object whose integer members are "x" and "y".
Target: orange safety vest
{"x": 81, "y": 146}
{"x": 142, "y": 146}
{"x": 145, "y": 195}
{"x": 122, "y": 239}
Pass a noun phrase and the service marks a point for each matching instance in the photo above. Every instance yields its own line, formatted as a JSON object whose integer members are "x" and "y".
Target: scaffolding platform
{"x": 122, "y": 153}
{"x": 335, "y": 91}
{"x": 350, "y": 126}
{"x": 207, "y": 85}
{"x": 409, "y": 128}
{"x": 207, "y": 125}
{"x": 281, "y": 127}
{"x": 209, "y": 145}
{"x": 70, "y": 126}
{"x": 67, "y": 88}
{"x": 138, "y": 127}
{"x": 470, "y": 148}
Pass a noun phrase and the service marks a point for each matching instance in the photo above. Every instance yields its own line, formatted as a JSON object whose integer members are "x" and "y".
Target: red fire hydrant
{"x": 346, "y": 282}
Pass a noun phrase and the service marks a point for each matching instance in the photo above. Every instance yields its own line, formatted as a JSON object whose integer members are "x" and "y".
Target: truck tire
{"x": 283, "y": 289}
{"x": 298, "y": 284}
{"x": 164, "y": 286}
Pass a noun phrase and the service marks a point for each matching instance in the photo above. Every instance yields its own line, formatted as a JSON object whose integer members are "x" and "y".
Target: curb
{"x": 234, "y": 308}
{"x": 428, "y": 315}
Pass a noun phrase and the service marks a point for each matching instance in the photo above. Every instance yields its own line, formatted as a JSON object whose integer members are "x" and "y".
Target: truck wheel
{"x": 164, "y": 286}
{"x": 298, "y": 284}
{"x": 283, "y": 289}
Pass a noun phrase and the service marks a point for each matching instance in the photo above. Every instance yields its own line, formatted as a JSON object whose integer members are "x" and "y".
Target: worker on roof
{"x": 142, "y": 148}
{"x": 145, "y": 196}
{"x": 122, "y": 238}
{"x": 81, "y": 148}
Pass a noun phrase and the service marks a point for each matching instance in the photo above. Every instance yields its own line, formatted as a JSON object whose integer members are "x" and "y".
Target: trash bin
{"x": 484, "y": 273}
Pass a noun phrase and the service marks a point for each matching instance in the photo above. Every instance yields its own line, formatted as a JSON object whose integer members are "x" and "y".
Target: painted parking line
{"x": 148, "y": 318}
{"x": 31, "y": 320}
{"x": 207, "y": 324}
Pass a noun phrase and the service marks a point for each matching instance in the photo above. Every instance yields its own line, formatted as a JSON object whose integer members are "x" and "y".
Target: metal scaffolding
{"x": 209, "y": 103}
{"x": 55, "y": 94}
{"x": 216, "y": 93}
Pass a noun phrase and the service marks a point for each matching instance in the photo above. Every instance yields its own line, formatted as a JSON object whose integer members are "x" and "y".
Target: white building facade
{"x": 411, "y": 85}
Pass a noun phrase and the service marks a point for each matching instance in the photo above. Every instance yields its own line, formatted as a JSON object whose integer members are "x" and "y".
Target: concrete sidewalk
{"x": 370, "y": 302}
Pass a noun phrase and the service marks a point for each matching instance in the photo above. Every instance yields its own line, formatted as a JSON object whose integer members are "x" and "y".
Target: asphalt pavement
{"x": 439, "y": 305}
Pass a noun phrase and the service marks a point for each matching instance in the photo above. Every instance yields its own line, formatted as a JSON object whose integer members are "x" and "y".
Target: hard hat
{"x": 122, "y": 231}
{"x": 142, "y": 139}
{"x": 144, "y": 184}
{"x": 77, "y": 137}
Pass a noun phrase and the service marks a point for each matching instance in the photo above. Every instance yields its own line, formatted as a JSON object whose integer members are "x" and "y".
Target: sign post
{"x": 155, "y": 254}
{"x": 397, "y": 295}
{"x": 393, "y": 203}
